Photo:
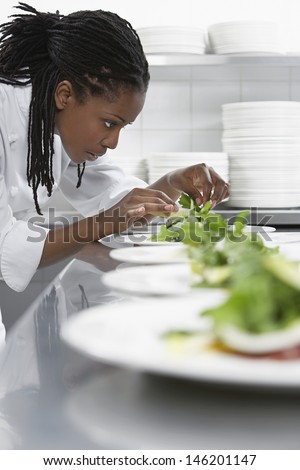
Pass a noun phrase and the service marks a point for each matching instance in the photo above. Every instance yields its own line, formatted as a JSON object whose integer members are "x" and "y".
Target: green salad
{"x": 262, "y": 311}
{"x": 264, "y": 295}
{"x": 192, "y": 224}
{"x": 213, "y": 245}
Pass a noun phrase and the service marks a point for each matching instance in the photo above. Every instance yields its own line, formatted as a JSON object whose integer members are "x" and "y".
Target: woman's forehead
{"x": 126, "y": 106}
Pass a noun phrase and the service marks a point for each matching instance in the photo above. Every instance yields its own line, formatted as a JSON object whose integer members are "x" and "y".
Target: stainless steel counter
{"x": 53, "y": 398}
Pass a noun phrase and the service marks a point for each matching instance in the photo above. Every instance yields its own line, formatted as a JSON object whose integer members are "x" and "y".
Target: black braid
{"x": 97, "y": 51}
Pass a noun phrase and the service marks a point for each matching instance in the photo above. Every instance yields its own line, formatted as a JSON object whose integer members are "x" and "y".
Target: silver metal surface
{"x": 54, "y": 398}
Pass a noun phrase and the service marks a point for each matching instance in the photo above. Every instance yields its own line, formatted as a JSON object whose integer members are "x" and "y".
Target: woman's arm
{"x": 199, "y": 181}
{"x": 65, "y": 241}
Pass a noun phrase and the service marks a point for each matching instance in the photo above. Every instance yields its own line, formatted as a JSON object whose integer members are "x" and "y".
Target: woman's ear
{"x": 63, "y": 95}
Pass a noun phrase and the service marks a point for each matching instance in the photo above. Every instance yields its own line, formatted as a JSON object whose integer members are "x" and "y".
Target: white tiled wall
{"x": 183, "y": 106}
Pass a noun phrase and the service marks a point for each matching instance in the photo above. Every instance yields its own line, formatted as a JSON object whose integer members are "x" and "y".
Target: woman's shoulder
{"x": 15, "y": 95}
{"x": 14, "y": 105}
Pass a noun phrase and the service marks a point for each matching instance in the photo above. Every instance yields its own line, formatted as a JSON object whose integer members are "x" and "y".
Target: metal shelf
{"x": 284, "y": 60}
{"x": 260, "y": 216}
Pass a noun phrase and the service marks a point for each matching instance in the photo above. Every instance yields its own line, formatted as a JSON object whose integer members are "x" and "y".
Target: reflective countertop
{"x": 52, "y": 397}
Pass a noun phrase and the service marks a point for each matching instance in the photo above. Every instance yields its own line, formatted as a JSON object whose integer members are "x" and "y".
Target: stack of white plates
{"x": 239, "y": 37}
{"x": 132, "y": 167}
{"x": 161, "y": 163}
{"x": 262, "y": 140}
{"x": 172, "y": 39}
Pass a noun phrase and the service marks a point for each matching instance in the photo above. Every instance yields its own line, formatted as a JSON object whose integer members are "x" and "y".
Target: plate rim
{"x": 209, "y": 374}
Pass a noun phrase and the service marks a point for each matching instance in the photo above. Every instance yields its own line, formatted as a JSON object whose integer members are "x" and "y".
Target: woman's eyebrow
{"x": 118, "y": 117}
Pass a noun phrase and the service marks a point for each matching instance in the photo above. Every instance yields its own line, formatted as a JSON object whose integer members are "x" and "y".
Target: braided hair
{"x": 97, "y": 51}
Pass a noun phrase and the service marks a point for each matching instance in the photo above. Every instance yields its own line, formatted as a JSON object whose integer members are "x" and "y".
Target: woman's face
{"x": 87, "y": 130}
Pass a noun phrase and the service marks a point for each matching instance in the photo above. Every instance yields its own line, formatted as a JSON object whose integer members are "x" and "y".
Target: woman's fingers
{"x": 135, "y": 213}
{"x": 202, "y": 184}
{"x": 160, "y": 209}
{"x": 153, "y": 208}
{"x": 209, "y": 186}
{"x": 154, "y": 202}
{"x": 143, "y": 193}
{"x": 221, "y": 188}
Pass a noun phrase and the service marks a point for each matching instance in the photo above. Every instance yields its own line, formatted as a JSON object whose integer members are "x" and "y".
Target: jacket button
{"x": 12, "y": 138}
{"x": 13, "y": 191}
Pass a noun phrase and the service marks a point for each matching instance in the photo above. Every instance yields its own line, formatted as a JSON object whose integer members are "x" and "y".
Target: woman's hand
{"x": 137, "y": 204}
{"x": 201, "y": 182}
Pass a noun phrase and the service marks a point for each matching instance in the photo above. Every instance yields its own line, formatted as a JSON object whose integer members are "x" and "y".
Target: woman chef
{"x": 68, "y": 86}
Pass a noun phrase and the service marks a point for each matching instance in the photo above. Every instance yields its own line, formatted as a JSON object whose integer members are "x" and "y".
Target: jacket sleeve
{"x": 21, "y": 245}
{"x": 102, "y": 186}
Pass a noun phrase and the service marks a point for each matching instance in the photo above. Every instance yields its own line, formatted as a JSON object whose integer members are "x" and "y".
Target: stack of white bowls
{"x": 262, "y": 140}
{"x": 239, "y": 37}
{"x": 161, "y": 163}
{"x": 172, "y": 39}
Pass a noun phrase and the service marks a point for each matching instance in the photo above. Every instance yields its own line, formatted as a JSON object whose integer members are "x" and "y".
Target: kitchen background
{"x": 183, "y": 107}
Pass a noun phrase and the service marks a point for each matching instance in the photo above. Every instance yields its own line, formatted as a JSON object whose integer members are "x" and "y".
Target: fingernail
{"x": 169, "y": 207}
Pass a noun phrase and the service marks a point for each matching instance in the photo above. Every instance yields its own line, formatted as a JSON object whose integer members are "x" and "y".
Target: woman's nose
{"x": 111, "y": 141}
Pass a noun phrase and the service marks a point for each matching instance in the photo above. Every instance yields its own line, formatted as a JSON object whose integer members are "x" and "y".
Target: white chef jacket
{"x": 21, "y": 243}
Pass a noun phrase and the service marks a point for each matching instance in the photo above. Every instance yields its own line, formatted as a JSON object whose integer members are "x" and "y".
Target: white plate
{"x": 283, "y": 238}
{"x": 151, "y": 254}
{"x": 258, "y": 228}
{"x": 156, "y": 280}
{"x": 130, "y": 334}
{"x": 140, "y": 239}
{"x": 290, "y": 251}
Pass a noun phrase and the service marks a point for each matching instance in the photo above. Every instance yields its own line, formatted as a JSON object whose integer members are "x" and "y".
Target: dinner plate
{"x": 279, "y": 238}
{"x": 139, "y": 239}
{"x": 290, "y": 251}
{"x": 143, "y": 238}
{"x": 151, "y": 254}
{"x": 132, "y": 335}
{"x": 176, "y": 279}
{"x": 258, "y": 228}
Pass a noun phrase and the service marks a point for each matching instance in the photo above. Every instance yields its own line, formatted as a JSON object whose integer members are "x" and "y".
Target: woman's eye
{"x": 109, "y": 124}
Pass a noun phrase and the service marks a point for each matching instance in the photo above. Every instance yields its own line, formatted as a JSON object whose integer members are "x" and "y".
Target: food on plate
{"x": 261, "y": 316}
{"x": 192, "y": 223}
{"x": 262, "y": 313}
{"x": 213, "y": 246}
{"x": 214, "y": 263}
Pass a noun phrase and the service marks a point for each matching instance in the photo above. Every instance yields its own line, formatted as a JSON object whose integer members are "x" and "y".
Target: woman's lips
{"x": 93, "y": 156}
